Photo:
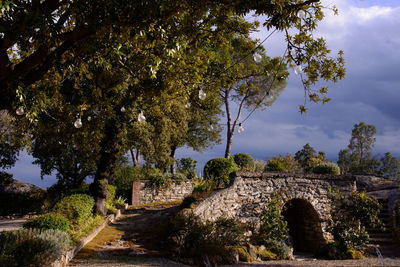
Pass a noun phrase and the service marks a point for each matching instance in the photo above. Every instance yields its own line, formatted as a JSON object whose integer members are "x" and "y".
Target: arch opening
{"x": 304, "y": 226}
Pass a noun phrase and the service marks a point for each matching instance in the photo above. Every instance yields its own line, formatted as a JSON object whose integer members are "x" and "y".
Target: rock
{"x": 264, "y": 254}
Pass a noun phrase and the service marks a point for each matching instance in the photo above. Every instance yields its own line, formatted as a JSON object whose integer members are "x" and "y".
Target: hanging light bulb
{"x": 188, "y": 105}
{"x": 141, "y": 117}
{"x": 202, "y": 94}
{"x": 301, "y": 14}
{"x": 240, "y": 129}
{"x": 123, "y": 109}
{"x": 78, "y": 123}
{"x": 20, "y": 111}
{"x": 298, "y": 70}
{"x": 89, "y": 118}
{"x": 293, "y": 52}
{"x": 211, "y": 127}
{"x": 257, "y": 57}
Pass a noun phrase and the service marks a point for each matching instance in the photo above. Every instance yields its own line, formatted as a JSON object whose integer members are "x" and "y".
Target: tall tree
{"x": 390, "y": 167}
{"x": 358, "y": 158}
{"x": 308, "y": 159}
{"x": 251, "y": 82}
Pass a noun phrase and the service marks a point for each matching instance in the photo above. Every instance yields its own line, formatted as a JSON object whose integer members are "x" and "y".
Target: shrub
{"x": 327, "y": 168}
{"x": 273, "y": 226}
{"x": 76, "y": 208}
{"x": 111, "y": 195}
{"x": 259, "y": 165}
{"x": 244, "y": 162}
{"x": 189, "y": 237}
{"x": 160, "y": 180}
{"x": 48, "y": 221}
{"x": 350, "y": 215}
{"x": 5, "y": 178}
{"x": 279, "y": 248}
{"x": 188, "y": 167}
{"x": 32, "y": 247}
{"x": 219, "y": 169}
{"x": 123, "y": 178}
{"x": 283, "y": 164}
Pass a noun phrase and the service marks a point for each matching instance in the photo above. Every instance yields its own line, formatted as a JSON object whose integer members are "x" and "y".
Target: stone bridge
{"x": 306, "y": 207}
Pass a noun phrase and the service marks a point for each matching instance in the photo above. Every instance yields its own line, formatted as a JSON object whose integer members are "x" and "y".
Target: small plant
{"x": 120, "y": 201}
{"x": 273, "y": 226}
{"x": 219, "y": 170}
{"x": 32, "y": 247}
{"x": 188, "y": 167}
{"x": 327, "y": 168}
{"x": 259, "y": 165}
{"x": 76, "y": 208}
{"x": 48, "y": 221}
{"x": 244, "y": 162}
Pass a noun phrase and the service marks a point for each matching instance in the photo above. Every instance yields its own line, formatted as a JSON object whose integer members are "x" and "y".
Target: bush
{"x": 32, "y": 247}
{"x": 48, "y": 221}
{"x": 279, "y": 248}
{"x": 244, "y": 162}
{"x": 219, "y": 170}
{"x": 189, "y": 237}
{"x": 283, "y": 164}
{"x": 350, "y": 215}
{"x": 273, "y": 226}
{"x": 259, "y": 165}
{"x": 188, "y": 167}
{"x": 76, "y": 208}
{"x": 111, "y": 195}
{"x": 327, "y": 168}
{"x": 123, "y": 178}
{"x": 6, "y": 178}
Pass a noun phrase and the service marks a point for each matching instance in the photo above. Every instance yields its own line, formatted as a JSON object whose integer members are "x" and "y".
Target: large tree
{"x": 140, "y": 41}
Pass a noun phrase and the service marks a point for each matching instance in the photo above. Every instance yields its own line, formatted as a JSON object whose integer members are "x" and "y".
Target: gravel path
{"x": 130, "y": 242}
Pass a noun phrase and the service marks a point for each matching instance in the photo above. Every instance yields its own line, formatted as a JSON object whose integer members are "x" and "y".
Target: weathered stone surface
{"x": 142, "y": 193}
{"x": 249, "y": 193}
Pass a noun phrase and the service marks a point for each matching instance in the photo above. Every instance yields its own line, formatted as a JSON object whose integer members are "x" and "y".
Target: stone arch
{"x": 304, "y": 225}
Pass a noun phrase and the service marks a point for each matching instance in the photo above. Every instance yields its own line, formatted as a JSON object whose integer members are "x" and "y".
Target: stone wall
{"x": 248, "y": 194}
{"x": 143, "y": 193}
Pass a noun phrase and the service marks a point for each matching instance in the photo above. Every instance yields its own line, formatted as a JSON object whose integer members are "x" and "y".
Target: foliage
{"x": 390, "y": 167}
{"x": 21, "y": 203}
{"x": 279, "y": 248}
{"x": 123, "y": 178}
{"x": 76, "y": 208}
{"x": 164, "y": 180}
{"x": 244, "y": 162}
{"x": 350, "y": 216}
{"x": 188, "y": 167}
{"x": 120, "y": 201}
{"x": 273, "y": 226}
{"x": 219, "y": 169}
{"x": 6, "y": 178}
{"x": 327, "y": 168}
{"x": 48, "y": 221}
{"x": 259, "y": 165}
{"x": 308, "y": 159}
{"x": 357, "y": 158}
{"x": 204, "y": 185}
{"x": 189, "y": 237}
{"x": 80, "y": 232}
{"x": 12, "y": 139}
{"x": 32, "y": 247}
{"x": 284, "y": 164}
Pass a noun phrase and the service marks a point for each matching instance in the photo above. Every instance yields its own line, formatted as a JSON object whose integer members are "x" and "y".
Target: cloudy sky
{"x": 368, "y": 33}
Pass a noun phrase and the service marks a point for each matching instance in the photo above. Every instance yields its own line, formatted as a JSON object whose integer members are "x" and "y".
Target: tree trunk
{"x": 229, "y": 138}
{"x": 172, "y": 155}
{"x": 105, "y": 166}
{"x": 135, "y": 157}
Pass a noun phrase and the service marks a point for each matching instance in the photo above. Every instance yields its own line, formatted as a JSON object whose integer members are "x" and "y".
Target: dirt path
{"x": 132, "y": 241}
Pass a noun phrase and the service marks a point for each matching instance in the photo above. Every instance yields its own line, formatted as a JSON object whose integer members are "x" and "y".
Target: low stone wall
{"x": 143, "y": 193}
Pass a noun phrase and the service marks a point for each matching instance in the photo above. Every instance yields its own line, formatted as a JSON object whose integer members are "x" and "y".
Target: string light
{"x": 78, "y": 123}
{"x": 20, "y": 111}
{"x": 298, "y": 70}
{"x": 301, "y": 14}
{"x": 240, "y": 129}
{"x": 202, "y": 94}
{"x": 187, "y": 105}
{"x": 257, "y": 57}
{"x": 89, "y": 118}
{"x": 211, "y": 127}
{"x": 141, "y": 117}
{"x": 123, "y": 109}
